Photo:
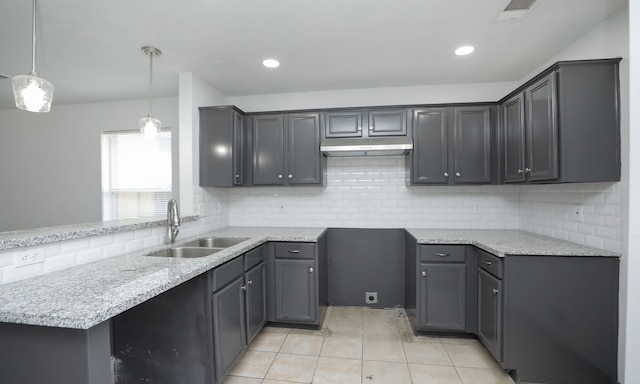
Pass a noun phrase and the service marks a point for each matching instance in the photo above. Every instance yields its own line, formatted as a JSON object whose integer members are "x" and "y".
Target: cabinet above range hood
{"x": 379, "y": 146}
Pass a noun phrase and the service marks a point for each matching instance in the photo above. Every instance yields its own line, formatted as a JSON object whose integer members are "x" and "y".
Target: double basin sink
{"x": 206, "y": 246}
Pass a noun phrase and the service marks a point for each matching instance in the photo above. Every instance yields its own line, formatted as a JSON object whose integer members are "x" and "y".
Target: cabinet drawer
{"x": 448, "y": 253}
{"x": 295, "y": 250}
{"x": 253, "y": 257}
{"x": 226, "y": 273}
{"x": 490, "y": 263}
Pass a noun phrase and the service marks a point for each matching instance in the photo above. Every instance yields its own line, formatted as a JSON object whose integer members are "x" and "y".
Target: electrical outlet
{"x": 28, "y": 258}
{"x": 577, "y": 212}
{"x": 371, "y": 297}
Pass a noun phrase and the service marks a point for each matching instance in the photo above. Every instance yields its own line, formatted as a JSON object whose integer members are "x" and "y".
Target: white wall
{"x": 630, "y": 262}
{"x": 50, "y": 163}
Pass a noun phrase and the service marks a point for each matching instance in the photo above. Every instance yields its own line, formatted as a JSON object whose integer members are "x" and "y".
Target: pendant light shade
{"x": 150, "y": 126}
{"x": 31, "y": 92}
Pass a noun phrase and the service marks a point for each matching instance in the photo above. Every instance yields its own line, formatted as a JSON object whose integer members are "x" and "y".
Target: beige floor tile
{"x": 275, "y": 329}
{"x": 470, "y": 356}
{"x": 346, "y": 313}
{"x": 428, "y": 339}
{"x": 426, "y": 353}
{"x": 383, "y": 350}
{"x": 349, "y": 328}
{"x": 433, "y": 374}
{"x": 333, "y": 370}
{"x": 385, "y": 372}
{"x": 297, "y": 368}
{"x": 382, "y": 330}
{"x": 373, "y": 314}
{"x": 341, "y": 346}
{"x": 483, "y": 376}
{"x": 253, "y": 364}
{"x": 299, "y": 344}
{"x": 241, "y": 380}
{"x": 268, "y": 342}
{"x": 278, "y": 382}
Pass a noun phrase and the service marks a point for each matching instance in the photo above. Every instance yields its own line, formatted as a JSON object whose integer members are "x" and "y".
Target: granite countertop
{"x": 84, "y": 296}
{"x": 507, "y": 242}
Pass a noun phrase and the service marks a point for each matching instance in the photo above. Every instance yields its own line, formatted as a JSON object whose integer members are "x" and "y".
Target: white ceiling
{"x": 90, "y": 49}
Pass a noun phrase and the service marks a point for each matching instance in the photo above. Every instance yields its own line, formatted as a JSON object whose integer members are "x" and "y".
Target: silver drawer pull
{"x": 294, "y": 251}
{"x": 250, "y": 282}
{"x": 443, "y": 254}
{"x": 424, "y": 273}
{"x": 310, "y": 269}
{"x": 244, "y": 287}
{"x": 495, "y": 291}
{"x": 487, "y": 262}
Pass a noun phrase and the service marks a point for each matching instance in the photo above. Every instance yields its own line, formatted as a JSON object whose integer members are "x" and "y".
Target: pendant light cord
{"x": 33, "y": 35}
{"x": 150, "y": 77}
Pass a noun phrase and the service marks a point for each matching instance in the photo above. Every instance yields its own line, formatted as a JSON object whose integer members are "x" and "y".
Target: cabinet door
{"x": 304, "y": 160}
{"x": 472, "y": 141}
{"x": 388, "y": 123}
{"x": 343, "y": 124}
{"x": 490, "y": 313}
{"x": 238, "y": 145}
{"x": 220, "y": 147}
{"x": 296, "y": 293}
{"x": 429, "y": 158}
{"x": 255, "y": 281}
{"x": 542, "y": 130}
{"x": 268, "y": 150}
{"x": 512, "y": 115}
{"x": 442, "y": 296}
{"x": 229, "y": 332}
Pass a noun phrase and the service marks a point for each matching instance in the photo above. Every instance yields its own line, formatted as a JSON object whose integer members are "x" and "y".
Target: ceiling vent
{"x": 515, "y": 10}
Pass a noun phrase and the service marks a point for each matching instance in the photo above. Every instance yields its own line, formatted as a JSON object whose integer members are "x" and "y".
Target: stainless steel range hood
{"x": 379, "y": 146}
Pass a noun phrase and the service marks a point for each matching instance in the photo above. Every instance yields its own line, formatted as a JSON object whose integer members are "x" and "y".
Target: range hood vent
{"x": 380, "y": 146}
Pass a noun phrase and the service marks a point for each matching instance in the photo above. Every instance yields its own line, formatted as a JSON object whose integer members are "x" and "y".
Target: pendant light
{"x": 31, "y": 92}
{"x": 150, "y": 126}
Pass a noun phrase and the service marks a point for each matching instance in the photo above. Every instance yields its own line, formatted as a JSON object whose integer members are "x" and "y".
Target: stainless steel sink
{"x": 186, "y": 252}
{"x": 216, "y": 242}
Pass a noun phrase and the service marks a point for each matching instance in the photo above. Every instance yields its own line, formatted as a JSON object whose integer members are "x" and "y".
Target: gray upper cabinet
{"x": 563, "y": 126}
{"x": 221, "y": 146}
{"x": 366, "y": 123}
{"x": 286, "y": 149}
{"x": 451, "y": 145}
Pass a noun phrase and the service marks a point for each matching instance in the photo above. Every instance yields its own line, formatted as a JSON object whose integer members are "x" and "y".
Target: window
{"x": 136, "y": 175}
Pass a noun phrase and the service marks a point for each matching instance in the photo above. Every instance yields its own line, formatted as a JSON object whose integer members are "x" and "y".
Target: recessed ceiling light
{"x": 271, "y": 63}
{"x": 464, "y": 50}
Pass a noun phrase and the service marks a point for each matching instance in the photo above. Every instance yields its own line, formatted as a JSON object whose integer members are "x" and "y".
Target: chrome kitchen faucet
{"x": 173, "y": 219}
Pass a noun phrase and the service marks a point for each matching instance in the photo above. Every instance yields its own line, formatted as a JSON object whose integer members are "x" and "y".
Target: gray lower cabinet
{"x": 452, "y": 145}
{"x": 256, "y": 297}
{"x": 563, "y": 125}
{"x": 298, "y": 288}
{"x": 489, "y": 328}
{"x": 440, "y": 296}
{"x": 221, "y": 146}
{"x": 286, "y": 149}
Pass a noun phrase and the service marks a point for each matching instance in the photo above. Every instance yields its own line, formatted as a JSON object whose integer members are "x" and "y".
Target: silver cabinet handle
{"x": 310, "y": 269}
{"x": 443, "y": 254}
{"x": 237, "y": 176}
{"x": 359, "y": 128}
{"x": 487, "y": 262}
{"x": 495, "y": 291}
{"x": 458, "y": 174}
{"x": 244, "y": 288}
{"x": 520, "y": 171}
{"x": 294, "y": 251}
{"x": 250, "y": 282}
{"x": 371, "y": 128}
{"x": 446, "y": 174}
{"x": 527, "y": 170}
{"x": 290, "y": 176}
{"x": 279, "y": 176}
{"x": 424, "y": 273}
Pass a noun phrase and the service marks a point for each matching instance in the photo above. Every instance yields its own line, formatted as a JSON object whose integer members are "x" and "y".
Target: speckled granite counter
{"x": 31, "y": 237}
{"x": 507, "y": 242}
{"x": 86, "y": 295}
